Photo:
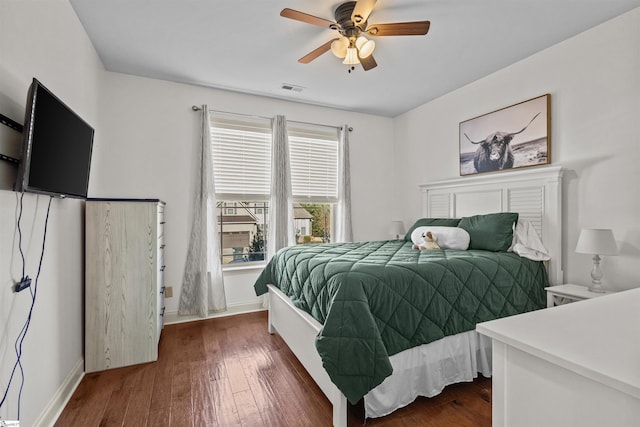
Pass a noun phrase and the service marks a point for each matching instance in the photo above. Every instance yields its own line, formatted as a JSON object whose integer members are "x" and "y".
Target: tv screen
{"x": 57, "y": 144}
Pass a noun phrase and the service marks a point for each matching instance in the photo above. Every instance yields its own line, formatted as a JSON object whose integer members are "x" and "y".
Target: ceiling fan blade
{"x": 362, "y": 10}
{"x": 368, "y": 63}
{"x": 316, "y": 52}
{"x": 418, "y": 28}
{"x": 309, "y": 19}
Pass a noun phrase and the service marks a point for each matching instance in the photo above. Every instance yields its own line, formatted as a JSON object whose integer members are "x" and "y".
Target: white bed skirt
{"x": 426, "y": 370}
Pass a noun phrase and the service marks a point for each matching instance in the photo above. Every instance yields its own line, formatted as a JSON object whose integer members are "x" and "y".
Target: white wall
{"x": 150, "y": 141}
{"x": 594, "y": 82}
{"x": 42, "y": 39}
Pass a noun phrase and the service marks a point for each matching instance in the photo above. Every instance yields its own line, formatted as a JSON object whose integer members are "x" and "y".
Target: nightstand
{"x": 562, "y": 294}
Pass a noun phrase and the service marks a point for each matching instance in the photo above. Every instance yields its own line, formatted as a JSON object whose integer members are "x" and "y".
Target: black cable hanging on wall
{"x": 34, "y": 292}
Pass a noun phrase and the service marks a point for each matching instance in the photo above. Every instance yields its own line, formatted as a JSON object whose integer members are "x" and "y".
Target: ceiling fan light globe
{"x": 360, "y": 41}
{"x": 352, "y": 57}
{"x": 339, "y": 47}
{"x": 367, "y": 48}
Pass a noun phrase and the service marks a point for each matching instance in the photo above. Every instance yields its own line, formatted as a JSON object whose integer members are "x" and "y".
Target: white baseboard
{"x": 50, "y": 414}
{"x": 173, "y": 317}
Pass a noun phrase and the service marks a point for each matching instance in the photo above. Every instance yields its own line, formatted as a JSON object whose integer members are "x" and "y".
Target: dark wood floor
{"x": 230, "y": 372}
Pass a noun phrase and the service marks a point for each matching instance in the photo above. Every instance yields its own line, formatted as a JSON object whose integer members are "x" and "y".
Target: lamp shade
{"x": 352, "y": 56}
{"x": 596, "y": 241}
{"x": 339, "y": 47}
{"x": 365, "y": 47}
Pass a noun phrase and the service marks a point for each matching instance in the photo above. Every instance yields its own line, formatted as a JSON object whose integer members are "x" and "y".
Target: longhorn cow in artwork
{"x": 494, "y": 152}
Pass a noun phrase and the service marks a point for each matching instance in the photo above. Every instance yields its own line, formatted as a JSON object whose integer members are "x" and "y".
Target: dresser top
{"x": 124, "y": 200}
{"x": 598, "y": 338}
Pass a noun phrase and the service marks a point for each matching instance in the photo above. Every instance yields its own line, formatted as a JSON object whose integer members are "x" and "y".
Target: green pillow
{"x": 490, "y": 232}
{"x": 434, "y": 222}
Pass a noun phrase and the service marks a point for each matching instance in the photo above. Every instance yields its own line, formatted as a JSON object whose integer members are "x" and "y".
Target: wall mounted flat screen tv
{"x": 56, "y": 147}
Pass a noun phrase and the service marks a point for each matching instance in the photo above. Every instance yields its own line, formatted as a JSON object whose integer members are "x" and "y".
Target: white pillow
{"x": 527, "y": 243}
{"x": 446, "y": 237}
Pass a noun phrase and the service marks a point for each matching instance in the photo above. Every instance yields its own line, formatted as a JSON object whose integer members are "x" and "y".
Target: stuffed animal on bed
{"x": 429, "y": 242}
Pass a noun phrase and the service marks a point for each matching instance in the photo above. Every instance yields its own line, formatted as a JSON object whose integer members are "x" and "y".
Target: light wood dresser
{"x": 124, "y": 288}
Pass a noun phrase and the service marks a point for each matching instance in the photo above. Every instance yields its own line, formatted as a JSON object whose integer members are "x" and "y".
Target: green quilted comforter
{"x": 378, "y": 298}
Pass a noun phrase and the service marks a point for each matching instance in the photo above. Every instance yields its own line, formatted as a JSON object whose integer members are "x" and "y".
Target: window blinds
{"x": 241, "y": 148}
{"x": 314, "y": 163}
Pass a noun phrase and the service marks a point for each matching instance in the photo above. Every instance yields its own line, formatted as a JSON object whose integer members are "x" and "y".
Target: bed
{"x": 404, "y": 324}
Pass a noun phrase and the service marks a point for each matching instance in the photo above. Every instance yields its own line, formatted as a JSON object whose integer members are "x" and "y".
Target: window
{"x": 241, "y": 148}
{"x": 314, "y": 180}
{"x": 315, "y": 226}
{"x": 242, "y": 235}
{"x": 229, "y": 208}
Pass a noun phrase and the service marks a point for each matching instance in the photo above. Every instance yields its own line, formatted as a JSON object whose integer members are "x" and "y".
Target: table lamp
{"x": 397, "y": 229}
{"x": 596, "y": 242}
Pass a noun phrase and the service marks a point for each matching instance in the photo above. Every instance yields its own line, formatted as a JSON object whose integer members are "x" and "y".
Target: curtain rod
{"x": 316, "y": 124}
{"x": 196, "y": 108}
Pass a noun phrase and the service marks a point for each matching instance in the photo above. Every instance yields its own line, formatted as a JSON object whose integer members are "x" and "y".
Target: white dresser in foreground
{"x": 124, "y": 287}
{"x": 572, "y": 365}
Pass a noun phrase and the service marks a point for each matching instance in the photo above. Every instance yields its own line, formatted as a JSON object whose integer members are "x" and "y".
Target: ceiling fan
{"x": 351, "y": 22}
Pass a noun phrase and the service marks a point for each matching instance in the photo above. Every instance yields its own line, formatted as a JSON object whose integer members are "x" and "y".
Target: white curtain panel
{"x": 344, "y": 232}
{"x": 281, "y": 232}
{"x": 202, "y": 285}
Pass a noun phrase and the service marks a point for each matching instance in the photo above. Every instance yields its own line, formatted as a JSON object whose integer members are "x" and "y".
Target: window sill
{"x": 252, "y": 266}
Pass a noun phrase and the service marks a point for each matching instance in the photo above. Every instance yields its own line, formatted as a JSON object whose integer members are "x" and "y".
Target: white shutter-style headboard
{"x": 535, "y": 193}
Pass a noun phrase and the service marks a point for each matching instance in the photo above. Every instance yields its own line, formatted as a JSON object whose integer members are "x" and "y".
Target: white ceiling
{"x": 246, "y": 46}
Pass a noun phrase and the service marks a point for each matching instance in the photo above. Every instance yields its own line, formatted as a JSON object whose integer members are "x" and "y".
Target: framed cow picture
{"x": 513, "y": 137}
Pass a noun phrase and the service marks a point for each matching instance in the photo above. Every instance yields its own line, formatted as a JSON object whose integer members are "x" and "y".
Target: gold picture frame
{"x": 509, "y": 138}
